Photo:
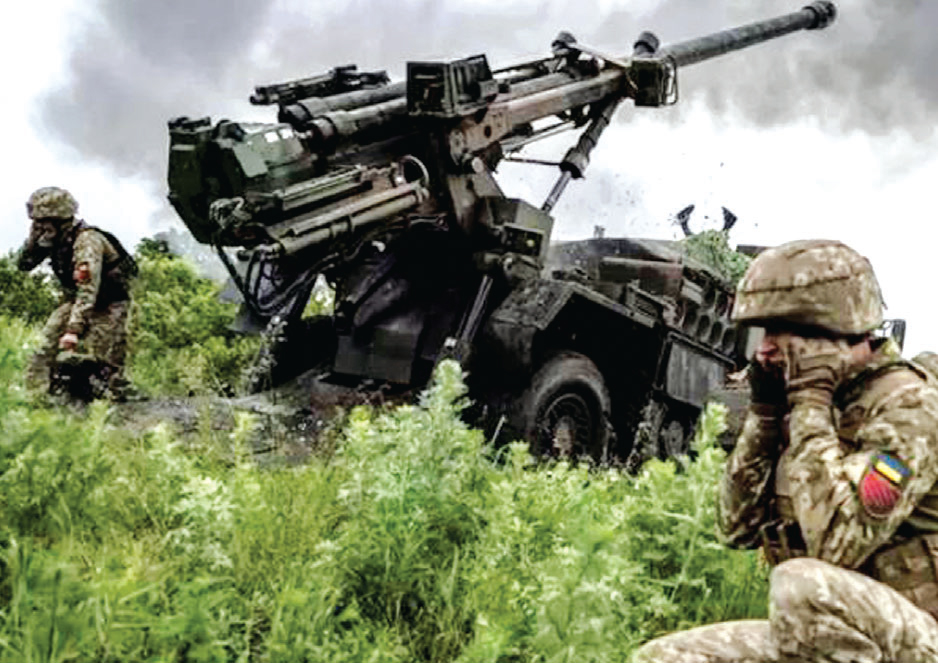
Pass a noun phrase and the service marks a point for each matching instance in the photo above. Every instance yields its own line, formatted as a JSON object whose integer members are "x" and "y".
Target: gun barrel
{"x": 331, "y": 120}
{"x": 531, "y": 95}
{"x": 375, "y": 121}
{"x": 513, "y": 108}
{"x": 815, "y": 16}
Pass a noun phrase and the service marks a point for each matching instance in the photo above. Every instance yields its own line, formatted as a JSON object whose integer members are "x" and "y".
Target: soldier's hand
{"x": 767, "y": 374}
{"x": 767, "y": 383}
{"x": 68, "y": 341}
{"x": 815, "y": 367}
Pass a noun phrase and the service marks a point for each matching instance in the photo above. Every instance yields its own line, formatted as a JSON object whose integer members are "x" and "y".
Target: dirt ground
{"x": 289, "y": 422}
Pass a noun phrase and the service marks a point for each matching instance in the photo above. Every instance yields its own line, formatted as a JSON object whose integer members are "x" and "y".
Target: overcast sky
{"x": 819, "y": 134}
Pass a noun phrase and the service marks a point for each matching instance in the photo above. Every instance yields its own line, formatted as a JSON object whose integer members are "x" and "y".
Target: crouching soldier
{"x": 834, "y": 475}
{"x": 89, "y": 328}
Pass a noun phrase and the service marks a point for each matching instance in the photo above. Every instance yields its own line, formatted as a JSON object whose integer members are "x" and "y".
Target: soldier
{"x": 94, "y": 271}
{"x": 834, "y": 475}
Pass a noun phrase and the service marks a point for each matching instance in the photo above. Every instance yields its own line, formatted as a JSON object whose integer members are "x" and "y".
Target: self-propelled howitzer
{"x": 387, "y": 190}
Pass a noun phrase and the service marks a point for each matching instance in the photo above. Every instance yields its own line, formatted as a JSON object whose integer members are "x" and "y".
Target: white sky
{"x": 790, "y": 182}
{"x": 32, "y": 52}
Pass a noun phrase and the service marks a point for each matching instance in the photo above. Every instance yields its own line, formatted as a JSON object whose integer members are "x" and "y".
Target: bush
{"x": 180, "y": 341}
{"x": 29, "y": 296}
{"x": 414, "y": 541}
{"x": 712, "y": 247}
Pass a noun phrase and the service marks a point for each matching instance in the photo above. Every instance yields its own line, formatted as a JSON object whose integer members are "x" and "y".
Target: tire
{"x": 564, "y": 411}
{"x": 664, "y": 431}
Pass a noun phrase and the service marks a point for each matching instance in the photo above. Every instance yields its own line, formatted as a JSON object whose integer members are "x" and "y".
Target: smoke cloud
{"x": 870, "y": 71}
{"x": 140, "y": 63}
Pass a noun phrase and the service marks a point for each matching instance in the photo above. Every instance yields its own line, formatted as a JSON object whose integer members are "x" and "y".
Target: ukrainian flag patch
{"x": 892, "y": 468}
{"x": 880, "y": 488}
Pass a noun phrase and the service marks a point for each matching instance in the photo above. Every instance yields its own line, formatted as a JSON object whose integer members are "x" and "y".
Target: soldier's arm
{"x": 849, "y": 498}
{"x": 87, "y": 265}
{"x": 31, "y": 254}
{"x": 742, "y": 504}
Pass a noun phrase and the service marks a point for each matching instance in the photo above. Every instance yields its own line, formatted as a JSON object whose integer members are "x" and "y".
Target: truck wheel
{"x": 665, "y": 431}
{"x": 564, "y": 412}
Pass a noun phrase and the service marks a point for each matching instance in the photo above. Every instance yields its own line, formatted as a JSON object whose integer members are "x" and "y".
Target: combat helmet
{"x": 51, "y": 202}
{"x": 815, "y": 283}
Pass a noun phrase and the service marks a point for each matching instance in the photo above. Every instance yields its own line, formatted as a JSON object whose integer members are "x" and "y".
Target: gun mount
{"x": 388, "y": 191}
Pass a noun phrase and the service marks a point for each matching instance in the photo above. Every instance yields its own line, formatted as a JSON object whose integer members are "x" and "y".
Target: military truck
{"x": 387, "y": 191}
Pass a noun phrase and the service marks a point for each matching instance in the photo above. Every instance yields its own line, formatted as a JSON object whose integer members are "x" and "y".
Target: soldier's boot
{"x": 80, "y": 376}
{"x": 120, "y": 389}
{"x": 104, "y": 380}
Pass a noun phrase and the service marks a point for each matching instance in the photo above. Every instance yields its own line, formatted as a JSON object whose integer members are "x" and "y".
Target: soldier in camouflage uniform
{"x": 94, "y": 271}
{"x": 833, "y": 475}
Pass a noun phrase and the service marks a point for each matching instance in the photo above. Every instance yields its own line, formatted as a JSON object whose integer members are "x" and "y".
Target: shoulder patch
{"x": 882, "y": 483}
{"x": 82, "y": 273}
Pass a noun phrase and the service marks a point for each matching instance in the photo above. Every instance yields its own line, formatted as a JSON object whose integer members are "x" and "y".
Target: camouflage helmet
{"x": 815, "y": 283}
{"x": 51, "y": 202}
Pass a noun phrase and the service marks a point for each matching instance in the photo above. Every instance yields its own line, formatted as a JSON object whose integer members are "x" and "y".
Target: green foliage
{"x": 180, "y": 342}
{"x": 414, "y": 541}
{"x": 31, "y": 296}
{"x": 321, "y": 300}
{"x": 712, "y": 248}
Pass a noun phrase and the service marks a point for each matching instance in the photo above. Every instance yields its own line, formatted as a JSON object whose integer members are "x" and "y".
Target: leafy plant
{"x": 31, "y": 296}
{"x": 180, "y": 340}
{"x": 712, "y": 248}
{"x": 412, "y": 541}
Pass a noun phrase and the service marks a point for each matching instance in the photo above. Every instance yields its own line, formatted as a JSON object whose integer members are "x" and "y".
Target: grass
{"x": 412, "y": 541}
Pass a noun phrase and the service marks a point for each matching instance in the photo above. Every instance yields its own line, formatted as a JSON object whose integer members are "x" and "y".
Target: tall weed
{"x": 414, "y": 541}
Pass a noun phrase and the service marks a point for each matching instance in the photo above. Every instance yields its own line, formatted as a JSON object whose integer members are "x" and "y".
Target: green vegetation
{"x": 712, "y": 247}
{"x": 180, "y": 343}
{"x": 413, "y": 541}
{"x": 410, "y": 539}
{"x": 30, "y": 297}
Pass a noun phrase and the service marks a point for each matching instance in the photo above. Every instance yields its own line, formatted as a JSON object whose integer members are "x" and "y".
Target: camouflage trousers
{"x": 817, "y": 613}
{"x": 105, "y": 339}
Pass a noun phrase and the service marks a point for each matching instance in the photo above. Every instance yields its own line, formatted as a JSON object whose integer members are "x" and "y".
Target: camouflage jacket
{"x": 855, "y": 477}
{"x": 92, "y": 267}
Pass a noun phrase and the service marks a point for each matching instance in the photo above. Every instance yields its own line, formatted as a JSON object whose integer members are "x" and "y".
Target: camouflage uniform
{"x": 94, "y": 271}
{"x": 838, "y": 486}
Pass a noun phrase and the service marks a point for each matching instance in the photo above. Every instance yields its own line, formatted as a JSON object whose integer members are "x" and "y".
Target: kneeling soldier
{"x": 834, "y": 475}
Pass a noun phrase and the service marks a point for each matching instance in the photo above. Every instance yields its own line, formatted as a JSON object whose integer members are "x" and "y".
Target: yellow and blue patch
{"x": 892, "y": 468}
{"x": 881, "y": 486}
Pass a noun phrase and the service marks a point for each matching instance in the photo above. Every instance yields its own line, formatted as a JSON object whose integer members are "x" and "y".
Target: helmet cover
{"x": 51, "y": 202}
{"x": 816, "y": 283}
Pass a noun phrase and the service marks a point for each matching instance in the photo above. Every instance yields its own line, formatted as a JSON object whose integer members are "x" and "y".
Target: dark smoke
{"x": 142, "y": 62}
{"x": 871, "y": 71}
{"x": 138, "y": 65}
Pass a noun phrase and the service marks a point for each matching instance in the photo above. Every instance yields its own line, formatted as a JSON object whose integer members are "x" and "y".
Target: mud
{"x": 289, "y": 423}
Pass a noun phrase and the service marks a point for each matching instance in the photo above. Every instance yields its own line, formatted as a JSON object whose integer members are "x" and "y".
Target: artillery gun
{"x": 387, "y": 190}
